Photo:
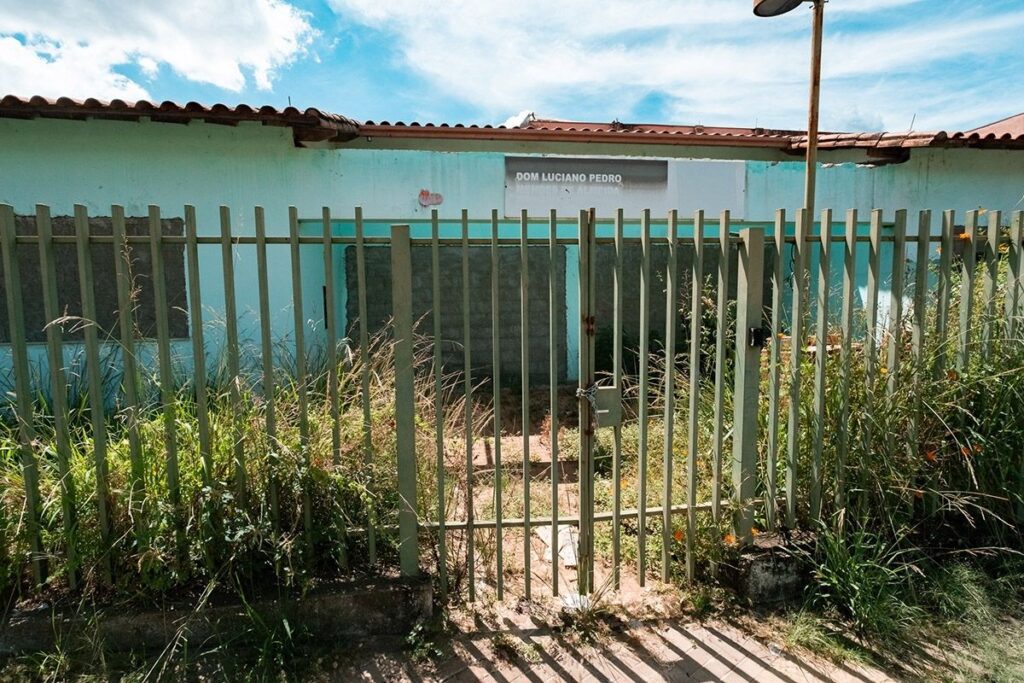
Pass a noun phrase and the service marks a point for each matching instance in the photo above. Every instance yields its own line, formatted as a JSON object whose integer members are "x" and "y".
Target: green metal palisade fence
{"x": 747, "y": 347}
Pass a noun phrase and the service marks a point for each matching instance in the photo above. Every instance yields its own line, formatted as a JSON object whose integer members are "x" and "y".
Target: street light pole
{"x": 810, "y": 181}
{"x": 773, "y": 8}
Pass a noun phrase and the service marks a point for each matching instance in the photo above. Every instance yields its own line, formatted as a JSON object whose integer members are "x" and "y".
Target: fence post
{"x": 405, "y": 414}
{"x": 22, "y": 393}
{"x": 1014, "y": 281}
{"x": 585, "y": 582}
{"x": 749, "y": 336}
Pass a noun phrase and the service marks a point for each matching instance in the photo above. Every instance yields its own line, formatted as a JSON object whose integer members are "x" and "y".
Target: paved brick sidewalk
{"x": 669, "y": 650}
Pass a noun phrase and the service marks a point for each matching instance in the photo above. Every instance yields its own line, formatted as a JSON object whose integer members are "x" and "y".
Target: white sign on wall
{"x": 567, "y": 184}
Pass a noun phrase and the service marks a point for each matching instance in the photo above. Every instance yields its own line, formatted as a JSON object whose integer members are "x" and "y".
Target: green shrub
{"x": 864, "y": 579}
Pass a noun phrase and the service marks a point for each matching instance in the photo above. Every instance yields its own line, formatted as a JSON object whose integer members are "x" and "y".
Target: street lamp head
{"x": 773, "y": 8}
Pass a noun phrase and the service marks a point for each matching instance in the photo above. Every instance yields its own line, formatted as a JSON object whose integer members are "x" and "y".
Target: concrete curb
{"x": 366, "y": 608}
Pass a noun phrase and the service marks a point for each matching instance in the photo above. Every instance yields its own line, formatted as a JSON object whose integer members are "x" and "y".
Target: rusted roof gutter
{"x": 913, "y": 140}
{"x": 584, "y": 133}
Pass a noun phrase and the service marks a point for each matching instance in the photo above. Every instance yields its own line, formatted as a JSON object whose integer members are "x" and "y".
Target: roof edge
{"x": 318, "y": 127}
{"x": 307, "y": 124}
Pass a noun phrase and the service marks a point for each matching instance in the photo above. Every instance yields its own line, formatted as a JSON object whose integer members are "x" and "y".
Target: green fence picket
{"x": 331, "y": 329}
{"x": 267, "y": 356}
{"x": 968, "y": 268}
{"x": 918, "y": 332}
{"x": 405, "y": 398}
{"x": 435, "y": 278}
{"x": 693, "y": 432}
{"x": 301, "y": 379}
{"x": 58, "y": 387}
{"x": 921, "y": 258}
{"x": 195, "y": 305}
{"x": 333, "y": 362}
{"x": 846, "y": 354}
{"x": 944, "y": 292}
{"x": 618, "y": 287}
{"x": 1015, "y": 277}
{"x": 499, "y": 474}
{"x": 990, "y": 281}
{"x": 820, "y": 359}
{"x": 23, "y": 395}
{"x": 553, "y": 302}
{"x": 587, "y": 417}
{"x": 774, "y": 372}
{"x": 524, "y": 328}
{"x": 94, "y": 376}
{"x": 231, "y": 340}
{"x": 721, "y": 357}
{"x": 168, "y": 394}
{"x": 797, "y": 326}
{"x": 871, "y": 305}
{"x": 467, "y": 390}
{"x": 129, "y": 369}
{"x": 671, "y": 318}
{"x": 895, "y": 319}
{"x": 368, "y": 434}
{"x": 747, "y": 380}
{"x": 642, "y": 400}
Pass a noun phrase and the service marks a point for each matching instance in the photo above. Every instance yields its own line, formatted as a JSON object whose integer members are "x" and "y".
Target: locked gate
{"x": 651, "y": 413}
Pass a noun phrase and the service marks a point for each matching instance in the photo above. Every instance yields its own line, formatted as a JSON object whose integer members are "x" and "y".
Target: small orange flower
{"x": 755, "y": 531}
{"x": 730, "y": 539}
{"x": 952, "y": 376}
{"x": 931, "y": 455}
{"x": 964, "y": 236}
{"x": 965, "y": 451}
{"x": 678, "y": 535}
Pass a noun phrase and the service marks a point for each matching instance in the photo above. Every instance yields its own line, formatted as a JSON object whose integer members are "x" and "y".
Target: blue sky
{"x": 889, "y": 64}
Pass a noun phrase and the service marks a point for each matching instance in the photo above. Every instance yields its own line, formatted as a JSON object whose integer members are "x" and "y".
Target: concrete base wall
{"x": 383, "y": 607}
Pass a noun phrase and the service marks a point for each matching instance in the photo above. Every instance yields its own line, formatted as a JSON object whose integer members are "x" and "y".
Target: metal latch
{"x": 608, "y": 406}
{"x": 757, "y": 337}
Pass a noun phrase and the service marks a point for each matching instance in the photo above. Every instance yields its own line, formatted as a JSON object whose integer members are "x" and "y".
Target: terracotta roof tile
{"x": 315, "y": 125}
{"x": 308, "y": 124}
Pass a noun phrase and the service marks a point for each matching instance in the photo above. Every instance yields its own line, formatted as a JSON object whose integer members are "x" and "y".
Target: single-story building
{"x": 64, "y": 152}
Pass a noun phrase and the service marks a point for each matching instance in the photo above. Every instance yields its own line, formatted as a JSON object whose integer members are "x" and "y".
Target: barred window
{"x": 104, "y": 280}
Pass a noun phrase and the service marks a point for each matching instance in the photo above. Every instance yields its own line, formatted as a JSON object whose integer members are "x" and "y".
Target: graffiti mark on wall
{"x": 428, "y": 198}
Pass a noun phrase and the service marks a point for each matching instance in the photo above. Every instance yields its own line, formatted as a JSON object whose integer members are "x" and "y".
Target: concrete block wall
{"x": 378, "y": 279}
{"x": 378, "y": 276}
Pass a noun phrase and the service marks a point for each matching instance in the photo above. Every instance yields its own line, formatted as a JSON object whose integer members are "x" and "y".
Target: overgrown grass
{"x": 247, "y": 540}
{"x": 932, "y": 482}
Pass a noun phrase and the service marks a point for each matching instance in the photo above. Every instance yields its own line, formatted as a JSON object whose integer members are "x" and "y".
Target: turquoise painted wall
{"x": 97, "y": 163}
{"x": 936, "y": 179}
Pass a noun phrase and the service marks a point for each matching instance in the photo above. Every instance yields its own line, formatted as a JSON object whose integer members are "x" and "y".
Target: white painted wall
{"x": 709, "y": 184}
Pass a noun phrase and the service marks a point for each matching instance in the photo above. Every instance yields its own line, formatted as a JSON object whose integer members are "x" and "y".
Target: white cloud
{"x": 711, "y": 61}
{"x": 73, "y": 47}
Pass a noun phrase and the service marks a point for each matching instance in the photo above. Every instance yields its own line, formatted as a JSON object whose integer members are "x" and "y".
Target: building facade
{"x": 62, "y": 153}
